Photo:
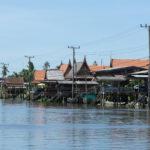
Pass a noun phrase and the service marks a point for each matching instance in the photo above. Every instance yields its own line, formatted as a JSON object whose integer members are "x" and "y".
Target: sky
{"x": 103, "y": 29}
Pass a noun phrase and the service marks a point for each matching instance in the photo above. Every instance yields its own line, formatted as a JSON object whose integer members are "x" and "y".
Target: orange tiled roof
{"x": 63, "y": 68}
{"x": 94, "y": 68}
{"x": 39, "y": 75}
{"x": 130, "y": 62}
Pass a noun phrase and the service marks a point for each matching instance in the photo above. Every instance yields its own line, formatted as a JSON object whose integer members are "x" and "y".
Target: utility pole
{"x": 101, "y": 62}
{"x": 148, "y": 27}
{"x": 73, "y": 67}
{"x": 29, "y": 78}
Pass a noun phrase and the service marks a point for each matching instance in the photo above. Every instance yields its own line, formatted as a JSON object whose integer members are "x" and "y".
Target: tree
{"x": 30, "y": 66}
{"x": 30, "y": 72}
{"x": 95, "y": 63}
{"x": 25, "y": 74}
{"x": 14, "y": 74}
{"x": 46, "y": 65}
{"x": 4, "y": 70}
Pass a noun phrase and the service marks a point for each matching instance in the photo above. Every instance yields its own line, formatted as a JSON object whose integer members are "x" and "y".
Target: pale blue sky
{"x": 44, "y": 28}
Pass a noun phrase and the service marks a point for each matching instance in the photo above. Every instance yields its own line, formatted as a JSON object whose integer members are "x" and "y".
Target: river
{"x": 25, "y": 126}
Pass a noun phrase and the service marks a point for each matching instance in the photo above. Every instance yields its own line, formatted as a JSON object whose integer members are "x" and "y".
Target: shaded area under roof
{"x": 79, "y": 82}
{"x": 111, "y": 78}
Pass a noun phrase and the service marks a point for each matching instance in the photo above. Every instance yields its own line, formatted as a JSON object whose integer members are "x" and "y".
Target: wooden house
{"x": 115, "y": 82}
{"x": 83, "y": 80}
{"x": 13, "y": 87}
{"x": 51, "y": 82}
{"x": 81, "y": 72}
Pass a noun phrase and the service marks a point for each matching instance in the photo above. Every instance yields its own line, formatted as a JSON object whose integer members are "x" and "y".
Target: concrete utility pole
{"x": 148, "y": 27}
{"x": 73, "y": 67}
{"x": 29, "y": 60}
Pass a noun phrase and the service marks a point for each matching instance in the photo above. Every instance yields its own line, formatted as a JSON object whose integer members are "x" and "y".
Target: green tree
{"x": 95, "y": 63}
{"x": 46, "y": 65}
{"x": 30, "y": 66}
{"x": 4, "y": 70}
{"x": 30, "y": 71}
{"x": 25, "y": 74}
{"x": 14, "y": 74}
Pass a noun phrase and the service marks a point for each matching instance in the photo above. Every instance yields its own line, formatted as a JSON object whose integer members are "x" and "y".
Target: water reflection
{"x": 36, "y": 127}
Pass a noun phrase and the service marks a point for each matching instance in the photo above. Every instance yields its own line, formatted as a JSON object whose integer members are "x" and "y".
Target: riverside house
{"x": 117, "y": 79}
{"x": 13, "y": 87}
{"x": 58, "y": 82}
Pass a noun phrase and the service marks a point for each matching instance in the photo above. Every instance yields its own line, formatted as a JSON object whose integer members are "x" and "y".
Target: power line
{"x": 124, "y": 33}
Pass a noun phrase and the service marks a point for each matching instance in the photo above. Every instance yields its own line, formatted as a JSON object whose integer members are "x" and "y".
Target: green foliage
{"x": 30, "y": 66}
{"x": 95, "y": 63}
{"x": 4, "y": 70}
{"x": 132, "y": 83}
{"x": 46, "y": 65}
{"x": 14, "y": 74}
{"x": 27, "y": 74}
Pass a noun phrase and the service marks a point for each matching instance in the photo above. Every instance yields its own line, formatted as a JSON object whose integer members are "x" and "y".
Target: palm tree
{"x": 46, "y": 65}
{"x": 4, "y": 70}
{"x": 95, "y": 63}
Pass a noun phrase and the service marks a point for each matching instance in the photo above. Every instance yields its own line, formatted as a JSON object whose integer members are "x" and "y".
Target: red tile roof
{"x": 39, "y": 75}
{"x": 94, "y": 68}
{"x": 129, "y": 62}
{"x": 64, "y": 68}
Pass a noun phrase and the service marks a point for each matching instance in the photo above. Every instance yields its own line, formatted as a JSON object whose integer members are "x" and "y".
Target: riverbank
{"x": 104, "y": 105}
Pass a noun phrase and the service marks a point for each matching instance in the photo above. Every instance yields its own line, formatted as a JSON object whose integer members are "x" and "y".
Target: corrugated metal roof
{"x": 55, "y": 74}
{"x": 140, "y": 76}
{"x": 144, "y": 72}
